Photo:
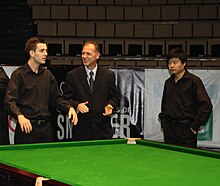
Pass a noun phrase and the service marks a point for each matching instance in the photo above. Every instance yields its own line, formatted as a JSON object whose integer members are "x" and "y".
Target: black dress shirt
{"x": 31, "y": 94}
{"x": 186, "y": 99}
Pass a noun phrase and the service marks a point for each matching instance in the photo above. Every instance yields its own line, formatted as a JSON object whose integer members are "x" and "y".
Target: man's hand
{"x": 82, "y": 107}
{"x": 25, "y": 124}
{"x": 72, "y": 115}
{"x": 108, "y": 110}
{"x": 194, "y": 132}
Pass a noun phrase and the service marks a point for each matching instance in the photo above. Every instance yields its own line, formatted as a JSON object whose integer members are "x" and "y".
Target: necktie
{"x": 91, "y": 81}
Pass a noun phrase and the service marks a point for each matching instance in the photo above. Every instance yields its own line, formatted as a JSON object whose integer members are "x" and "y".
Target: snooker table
{"x": 107, "y": 163}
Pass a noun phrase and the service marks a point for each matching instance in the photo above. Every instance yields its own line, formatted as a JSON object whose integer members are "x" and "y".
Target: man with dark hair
{"x": 31, "y": 89}
{"x": 4, "y": 133}
{"x": 92, "y": 91}
{"x": 185, "y": 105}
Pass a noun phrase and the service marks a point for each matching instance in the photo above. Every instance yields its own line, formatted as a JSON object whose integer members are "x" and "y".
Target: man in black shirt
{"x": 4, "y": 133}
{"x": 31, "y": 89}
{"x": 185, "y": 103}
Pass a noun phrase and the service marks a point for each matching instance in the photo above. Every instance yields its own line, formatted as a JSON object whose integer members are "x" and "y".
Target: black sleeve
{"x": 3, "y": 86}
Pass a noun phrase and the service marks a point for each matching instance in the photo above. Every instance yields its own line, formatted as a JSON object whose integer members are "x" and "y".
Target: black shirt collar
{"x": 28, "y": 69}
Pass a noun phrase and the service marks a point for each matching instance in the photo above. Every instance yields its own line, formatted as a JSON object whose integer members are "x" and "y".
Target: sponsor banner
{"x": 11, "y": 120}
{"x": 129, "y": 117}
{"x": 137, "y": 114}
{"x": 209, "y": 135}
{"x": 128, "y": 120}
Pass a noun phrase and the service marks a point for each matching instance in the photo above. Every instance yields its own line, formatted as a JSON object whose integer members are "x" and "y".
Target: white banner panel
{"x": 154, "y": 82}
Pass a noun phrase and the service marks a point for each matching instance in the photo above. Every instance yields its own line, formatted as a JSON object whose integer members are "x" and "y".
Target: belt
{"x": 38, "y": 122}
{"x": 178, "y": 121}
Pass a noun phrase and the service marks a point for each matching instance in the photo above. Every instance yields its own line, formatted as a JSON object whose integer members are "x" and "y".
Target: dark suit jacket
{"x": 92, "y": 125}
{"x": 3, "y": 86}
{"x": 4, "y": 135}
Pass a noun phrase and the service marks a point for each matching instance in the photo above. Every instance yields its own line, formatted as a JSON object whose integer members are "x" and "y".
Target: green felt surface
{"x": 106, "y": 164}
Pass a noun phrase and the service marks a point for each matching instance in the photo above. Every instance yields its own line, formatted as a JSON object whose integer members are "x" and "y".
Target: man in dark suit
{"x": 4, "y": 133}
{"x": 93, "y": 95}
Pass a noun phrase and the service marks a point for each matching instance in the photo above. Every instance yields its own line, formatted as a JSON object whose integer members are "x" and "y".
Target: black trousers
{"x": 179, "y": 134}
{"x": 4, "y": 132}
{"x": 39, "y": 134}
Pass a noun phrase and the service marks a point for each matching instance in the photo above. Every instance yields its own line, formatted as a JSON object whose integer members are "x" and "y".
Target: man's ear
{"x": 97, "y": 55}
{"x": 31, "y": 53}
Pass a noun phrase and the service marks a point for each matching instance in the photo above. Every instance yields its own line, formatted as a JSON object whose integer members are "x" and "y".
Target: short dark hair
{"x": 97, "y": 47}
{"x": 31, "y": 44}
{"x": 177, "y": 53}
